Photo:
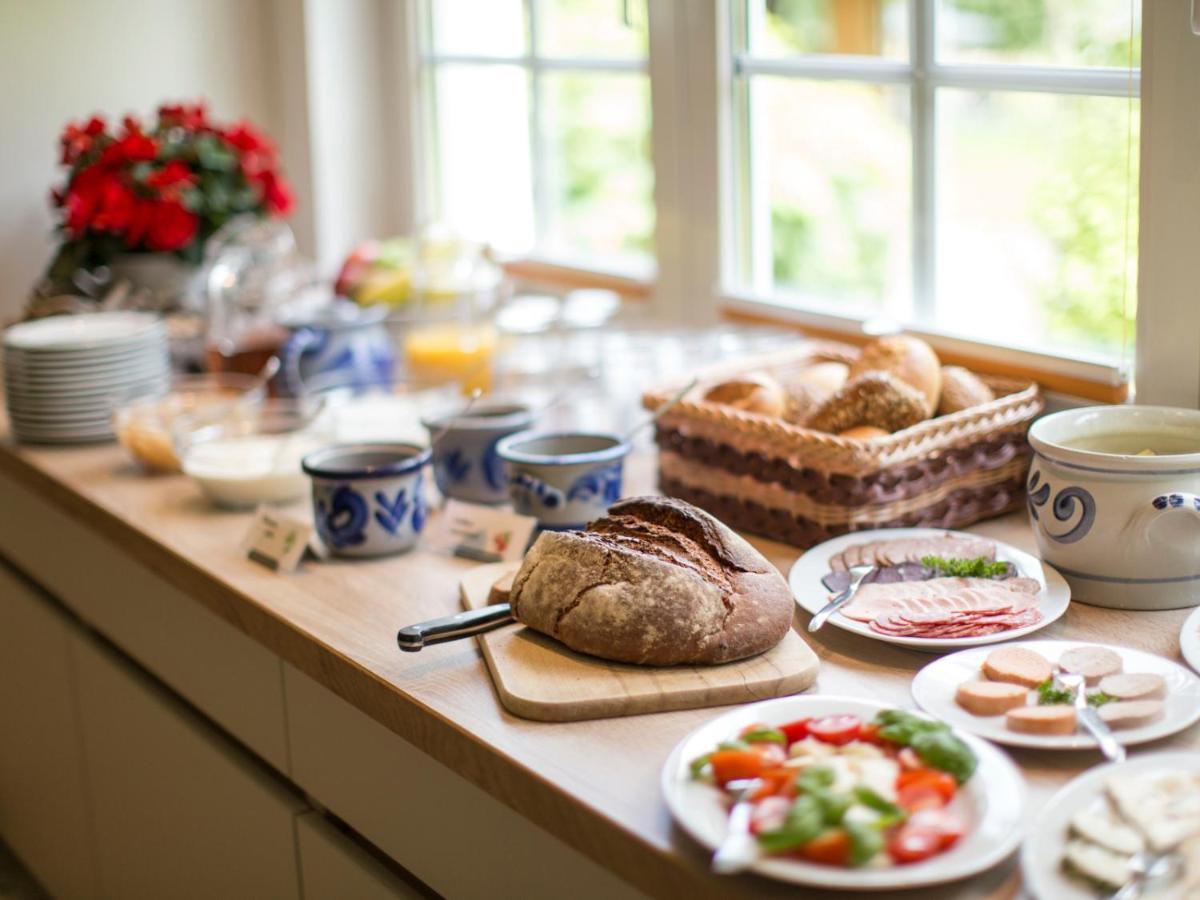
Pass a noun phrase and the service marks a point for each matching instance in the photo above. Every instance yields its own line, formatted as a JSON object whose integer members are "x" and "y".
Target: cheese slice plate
{"x": 1075, "y": 811}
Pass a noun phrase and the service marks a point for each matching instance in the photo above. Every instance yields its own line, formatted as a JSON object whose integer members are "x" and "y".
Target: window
{"x": 969, "y": 166}
{"x": 536, "y": 132}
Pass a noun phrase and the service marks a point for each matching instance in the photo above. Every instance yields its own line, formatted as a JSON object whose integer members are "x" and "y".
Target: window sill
{"x": 558, "y": 275}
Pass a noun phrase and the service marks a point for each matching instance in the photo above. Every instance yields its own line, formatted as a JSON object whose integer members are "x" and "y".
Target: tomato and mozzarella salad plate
{"x": 849, "y": 794}
{"x": 934, "y": 689}
{"x": 810, "y": 578}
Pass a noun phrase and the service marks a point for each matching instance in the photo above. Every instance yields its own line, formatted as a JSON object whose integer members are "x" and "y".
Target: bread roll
{"x": 1017, "y": 665}
{"x": 755, "y": 392}
{"x": 875, "y": 398}
{"x": 908, "y": 358}
{"x": 656, "y": 582}
{"x": 807, "y": 388}
{"x": 962, "y": 389}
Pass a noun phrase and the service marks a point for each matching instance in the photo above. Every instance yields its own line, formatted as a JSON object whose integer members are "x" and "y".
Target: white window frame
{"x": 691, "y": 71}
{"x": 536, "y": 64}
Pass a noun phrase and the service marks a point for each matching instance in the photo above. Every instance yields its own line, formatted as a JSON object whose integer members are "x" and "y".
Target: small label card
{"x": 277, "y": 540}
{"x": 483, "y": 533}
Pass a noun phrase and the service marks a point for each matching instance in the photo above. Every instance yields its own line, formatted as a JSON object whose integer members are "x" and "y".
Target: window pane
{"x": 831, "y": 219}
{"x": 482, "y": 154}
{"x": 482, "y": 27}
{"x": 1040, "y": 32}
{"x": 1031, "y": 246}
{"x": 592, "y": 28}
{"x": 599, "y": 181}
{"x": 860, "y": 27}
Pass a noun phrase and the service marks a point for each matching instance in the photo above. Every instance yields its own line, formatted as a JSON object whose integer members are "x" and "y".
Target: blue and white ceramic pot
{"x": 1114, "y": 501}
{"x": 345, "y": 344}
{"x": 368, "y": 499}
{"x": 465, "y": 462}
{"x": 564, "y": 480}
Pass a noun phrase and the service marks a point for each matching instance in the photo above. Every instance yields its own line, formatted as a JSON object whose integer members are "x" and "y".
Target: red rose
{"x": 139, "y": 222}
{"x": 77, "y": 140}
{"x": 193, "y": 117}
{"x": 83, "y": 199}
{"x": 134, "y": 146}
{"x": 277, "y": 193}
{"x": 171, "y": 226}
{"x": 115, "y": 204}
{"x": 171, "y": 179}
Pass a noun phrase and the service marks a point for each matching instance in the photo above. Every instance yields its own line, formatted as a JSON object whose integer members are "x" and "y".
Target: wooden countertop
{"x": 593, "y": 784}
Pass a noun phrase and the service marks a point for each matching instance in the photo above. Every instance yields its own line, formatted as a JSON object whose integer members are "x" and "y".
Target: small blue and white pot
{"x": 1122, "y": 527}
{"x": 346, "y": 344}
{"x": 465, "y": 462}
{"x": 564, "y": 480}
{"x": 368, "y": 499}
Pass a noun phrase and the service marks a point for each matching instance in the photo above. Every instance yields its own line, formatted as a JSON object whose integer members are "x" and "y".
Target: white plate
{"x": 811, "y": 594}
{"x": 59, "y": 333}
{"x": 1189, "y": 640}
{"x": 934, "y": 688}
{"x": 1041, "y": 854}
{"x": 156, "y": 356}
{"x": 992, "y": 801}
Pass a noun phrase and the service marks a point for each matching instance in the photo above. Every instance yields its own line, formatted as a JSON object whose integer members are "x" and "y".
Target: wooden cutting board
{"x": 539, "y": 678}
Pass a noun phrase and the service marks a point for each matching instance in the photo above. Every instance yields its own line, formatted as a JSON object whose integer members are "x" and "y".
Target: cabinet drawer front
{"x": 222, "y": 672}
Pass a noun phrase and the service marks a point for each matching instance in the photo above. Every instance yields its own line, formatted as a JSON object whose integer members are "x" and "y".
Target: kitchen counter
{"x": 592, "y": 785}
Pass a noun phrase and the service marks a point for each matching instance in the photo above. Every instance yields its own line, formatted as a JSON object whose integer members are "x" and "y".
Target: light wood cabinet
{"x": 44, "y": 812}
{"x": 179, "y": 812}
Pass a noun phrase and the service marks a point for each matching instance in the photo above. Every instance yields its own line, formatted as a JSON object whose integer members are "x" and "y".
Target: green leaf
{"x": 765, "y": 735}
{"x": 865, "y": 842}
{"x": 815, "y": 778}
{"x": 978, "y": 567}
{"x": 942, "y": 750}
{"x": 872, "y": 800}
{"x": 805, "y": 820}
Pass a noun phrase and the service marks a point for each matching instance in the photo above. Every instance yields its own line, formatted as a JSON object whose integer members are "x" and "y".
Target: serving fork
{"x": 1087, "y": 714}
{"x": 739, "y": 849}
{"x": 1146, "y": 867}
{"x": 858, "y": 575}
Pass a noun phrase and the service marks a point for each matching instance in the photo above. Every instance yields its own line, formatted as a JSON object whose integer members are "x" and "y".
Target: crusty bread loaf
{"x": 755, "y": 392}
{"x": 962, "y": 389}
{"x": 873, "y": 398}
{"x": 908, "y": 358}
{"x": 656, "y": 582}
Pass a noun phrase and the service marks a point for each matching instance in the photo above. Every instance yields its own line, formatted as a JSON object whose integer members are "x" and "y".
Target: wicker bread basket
{"x": 793, "y": 484}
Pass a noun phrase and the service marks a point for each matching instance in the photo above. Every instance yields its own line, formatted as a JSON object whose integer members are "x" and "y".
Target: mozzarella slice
{"x": 1100, "y": 826}
{"x": 1165, "y": 807}
{"x": 1097, "y": 863}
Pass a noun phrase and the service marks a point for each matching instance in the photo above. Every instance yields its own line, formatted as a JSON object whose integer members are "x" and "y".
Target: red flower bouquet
{"x": 165, "y": 189}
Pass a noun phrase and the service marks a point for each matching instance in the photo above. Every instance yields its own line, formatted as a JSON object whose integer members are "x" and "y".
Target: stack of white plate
{"x": 63, "y": 376}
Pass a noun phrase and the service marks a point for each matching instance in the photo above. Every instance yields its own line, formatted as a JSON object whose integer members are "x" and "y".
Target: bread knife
{"x": 452, "y": 628}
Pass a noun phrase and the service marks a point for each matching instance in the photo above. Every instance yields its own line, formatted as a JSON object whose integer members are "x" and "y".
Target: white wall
{"x": 62, "y": 60}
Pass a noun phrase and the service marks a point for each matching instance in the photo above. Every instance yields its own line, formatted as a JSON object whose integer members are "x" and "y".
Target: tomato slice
{"x": 769, "y": 814}
{"x": 835, "y": 730}
{"x": 916, "y": 797}
{"x": 831, "y": 848}
{"x": 910, "y": 844}
{"x": 795, "y": 731}
{"x": 777, "y": 782}
{"x": 869, "y": 733}
{"x": 948, "y": 826}
{"x": 772, "y": 755}
{"x": 730, "y": 765}
{"x": 939, "y": 781}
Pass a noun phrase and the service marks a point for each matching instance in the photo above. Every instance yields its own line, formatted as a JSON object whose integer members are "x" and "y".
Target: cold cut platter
{"x": 931, "y": 589}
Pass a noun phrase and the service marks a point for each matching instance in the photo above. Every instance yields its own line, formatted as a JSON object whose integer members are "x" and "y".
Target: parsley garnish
{"x": 979, "y": 567}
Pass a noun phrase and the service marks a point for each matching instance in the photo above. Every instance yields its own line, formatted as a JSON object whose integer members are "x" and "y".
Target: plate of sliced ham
{"x": 931, "y": 589}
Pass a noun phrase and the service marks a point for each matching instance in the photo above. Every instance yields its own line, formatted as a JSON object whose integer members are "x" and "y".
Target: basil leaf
{"x": 765, "y": 735}
{"x": 865, "y": 842}
{"x": 815, "y": 778}
{"x": 699, "y": 764}
{"x": 805, "y": 820}
{"x": 942, "y": 750}
{"x": 872, "y": 800}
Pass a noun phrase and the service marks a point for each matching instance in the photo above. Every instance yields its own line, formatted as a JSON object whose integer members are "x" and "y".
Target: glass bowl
{"x": 253, "y": 455}
{"x": 145, "y": 424}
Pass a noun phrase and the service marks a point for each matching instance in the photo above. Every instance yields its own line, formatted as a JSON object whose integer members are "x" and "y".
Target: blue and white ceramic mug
{"x": 368, "y": 499}
{"x": 465, "y": 462}
{"x": 1114, "y": 501}
{"x": 564, "y": 480}
{"x": 344, "y": 343}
